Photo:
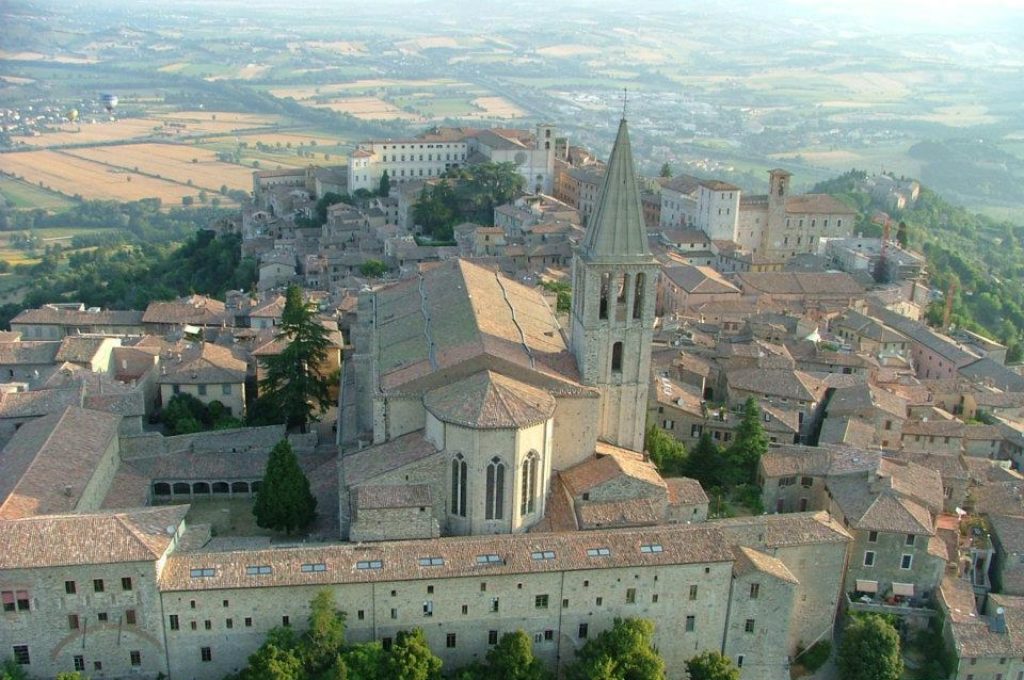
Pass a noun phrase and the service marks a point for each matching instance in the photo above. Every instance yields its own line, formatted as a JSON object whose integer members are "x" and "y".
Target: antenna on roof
{"x": 625, "y": 100}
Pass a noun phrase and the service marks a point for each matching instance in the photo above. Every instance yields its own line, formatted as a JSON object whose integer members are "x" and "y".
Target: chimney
{"x": 997, "y": 622}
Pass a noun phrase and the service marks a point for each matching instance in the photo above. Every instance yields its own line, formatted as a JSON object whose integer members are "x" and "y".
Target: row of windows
{"x": 909, "y": 540}
{"x": 396, "y": 158}
{"x": 98, "y": 585}
{"x": 906, "y": 561}
{"x": 224, "y": 389}
{"x": 74, "y": 622}
{"x": 23, "y": 657}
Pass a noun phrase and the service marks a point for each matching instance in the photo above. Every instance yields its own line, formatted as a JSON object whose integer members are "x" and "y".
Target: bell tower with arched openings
{"x": 614, "y": 277}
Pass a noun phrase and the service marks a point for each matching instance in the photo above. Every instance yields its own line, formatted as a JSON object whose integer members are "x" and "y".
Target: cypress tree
{"x": 284, "y": 501}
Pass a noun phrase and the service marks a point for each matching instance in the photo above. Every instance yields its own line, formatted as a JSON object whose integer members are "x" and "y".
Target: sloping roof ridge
{"x": 519, "y": 328}
{"x": 120, "y": 518}
{"x": 35, "y": 457}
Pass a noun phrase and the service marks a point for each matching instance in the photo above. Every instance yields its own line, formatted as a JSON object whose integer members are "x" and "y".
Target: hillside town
{"x": 486, "y": 465}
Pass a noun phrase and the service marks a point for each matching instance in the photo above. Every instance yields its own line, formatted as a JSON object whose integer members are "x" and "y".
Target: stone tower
{"x": 614, "y": 277}
{"x": 778, "y": 194}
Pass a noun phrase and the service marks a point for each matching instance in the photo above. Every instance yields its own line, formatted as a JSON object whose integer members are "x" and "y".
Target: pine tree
{"x": 294, "y": 387}
{"x": 666, "y": 170}
{"x": 705, "y": 462}
{"x": 284, "y": 501}
{"x": 385, "y": 185}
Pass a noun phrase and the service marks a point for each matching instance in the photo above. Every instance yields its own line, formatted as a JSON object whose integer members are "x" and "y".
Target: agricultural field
{"x": 177, "y": 162}
{"x": 18, "y": 194}
{"x": 367, "y": 108}
{"x": 76, "y": 176}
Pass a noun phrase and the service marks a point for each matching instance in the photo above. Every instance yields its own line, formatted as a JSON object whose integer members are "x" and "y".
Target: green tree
{"x": 435, "y": 211}
{"x": 325, "y": 639}
{"x": 293, "y": 386}
{"x": 284, "y": 501}
{"x": 373, "y": 269}
{"x": 624, "y": 652}
{"x": 183, "y": 414}
{"x": 902, "y": 235}
{"x": 666, "y": 170}
{"x": 385, "y": 185}
{"x": 711, "y": 666}
{"x": 410, "y": 658}
{"x": 187, "y": 200}
{"x": 667, "y": 453}
{"x": 69, "y": 675}
{"x": 705, "y": 462}
{"x": 563, "y": 293}
{"x": 512, "y": 659}
{"x": 12, "y": 670}
{"x": 366, "y": 661}
{"x": 749, "y": 444}
{"x": 272, "y": 662}
{"x": 870, "y": 650}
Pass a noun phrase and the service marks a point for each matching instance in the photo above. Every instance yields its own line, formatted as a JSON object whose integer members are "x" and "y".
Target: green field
{"x": 23, "y": 195}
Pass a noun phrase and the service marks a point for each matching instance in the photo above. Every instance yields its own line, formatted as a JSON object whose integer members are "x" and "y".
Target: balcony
{"x": 900, "y": 605}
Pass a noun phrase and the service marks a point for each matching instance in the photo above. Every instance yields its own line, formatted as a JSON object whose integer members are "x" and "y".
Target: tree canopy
{"x": 623, "y": 652}
{"x": 749, "y": 444}
{"x": 667, "y": 453}
{"x": 471, "y": 195}
{"x": 512, "y": 659}
{"x": 711, "y": 665}
{"x": 870, "y": 649}
{"x": 284, "y": 501}
{"x": 294, "y": 388}
{"x": 410, "y": 658}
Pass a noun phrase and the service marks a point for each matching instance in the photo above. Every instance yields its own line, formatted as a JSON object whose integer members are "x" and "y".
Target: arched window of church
{"x": 459, "y": 485}
{"x": 606, "y": 283}
{"x": 638, "y": 295}
{"x": 494, "y": 499}
{"x": 528, "y": 485}
{"x": 623, "y": 284}
{"x": 617, "y": 357}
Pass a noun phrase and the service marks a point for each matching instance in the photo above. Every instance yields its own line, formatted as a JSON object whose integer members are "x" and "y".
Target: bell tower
{"x": 614, "y": 277}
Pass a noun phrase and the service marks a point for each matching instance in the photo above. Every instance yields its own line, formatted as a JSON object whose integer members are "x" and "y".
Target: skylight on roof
{"x": 314, "y": 566}
{"x": 258, "y": 570}
{"x": 370, "y": 564}
{"x": 543, "y": 555}
{"x": 431, "y": 561}
{"x": 598, "y": 552}
{"x": 488, "y": 559}
{"x": 651, "y": 548}
{"x": 204, "y": 572}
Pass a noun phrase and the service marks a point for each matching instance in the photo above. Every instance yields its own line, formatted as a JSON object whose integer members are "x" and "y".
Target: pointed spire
{"x": 617, "y": 231}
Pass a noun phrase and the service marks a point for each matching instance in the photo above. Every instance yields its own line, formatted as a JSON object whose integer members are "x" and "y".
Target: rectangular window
{"x": 394, "y": 613}
{"x": 749, "y": 626}
{"x": 79, "y": 662}
{"x": 492, "y": 637}
{"x": 599, "y": 601}
{"x": 126, "y": 583}
{"x": 693, "y": 592}
{"x": 173, "y": 620}
{"x": 540, "y": 602}
{"x": 428, "y": 608}
{"x": 654, "y": 598}
{"x": 582, "y": 631}
{"x": 691, "y": 623}
{"x": 630, "y": 595}
{"x": 449, "y": 641}
{"x": 872, "y": 537}
{"x": 202, "y": 390}
{"x": 286, "y": 621}
{"x": 651, "y": 548}
{"x": 21, "y": 656}
{"x": 806, "y": 482}
{"x": 102, "y": 616}
{"x": 206, "y": 654}
{"x": 69, "y": 587}
{"x": 208, "y": 624}
{"x": 869, "y": 558}
{"x": 494, "y": 604}
{"x": 313, "y": 567}
{"x": 73, "y": 621}
{"x": 248, "y": 622}
{"x": 229, "y": 623}
{"x": 225, "y": 390}
{"x": 910, "y": 540}
{"x": 258, "y": 570}
{"x": 135, "y": 657}
{"x": 755, "y": 590}
{"x": 906, "y": 561}
{"x": 129, "y": 617}
{"x": 97, "y": 585}
{"x": 385, "y": 643}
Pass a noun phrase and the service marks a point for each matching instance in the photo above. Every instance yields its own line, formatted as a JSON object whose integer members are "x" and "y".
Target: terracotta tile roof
{"x": 629, "y": 512}
{"x": 38, "y": 402}
{"x": 862, "y": 399}
{"x": 972, "y": 634}
{"x": 783, "y": 530}
{"x": 847, "y": 430}
{"x": 48, "y": 315}
{"x": 603, "y": 469}
{"x": 96, "y": 538}
{"x": 400, "y": 560}
{"x": 489, "y": 400}
{"x": 129, "y": 489}
{"x": 79, "y": 349}
{"x": 49, "y": 461}
{"x": 703, "y": 280}
{"x": 458, "y": 311}
{"x": 28, "y": 353}
{"x": 893, "y": 514}
{"x": 1009, "y": 530}
{"x": 272, "y": 308}
{"x": 811, "y": 284}
{"x": 817, "y": 204}
{"x": 366, "y": 464}
{"x": 776, "y": 382}
{"x": 685, "y": 491}
{"x": 378, "y": 497}
{"x": 203, "y": 363}
{"x": 750, "y": 561}
{"x": 196, "y": 310}
{"x": 558, "y": 511}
